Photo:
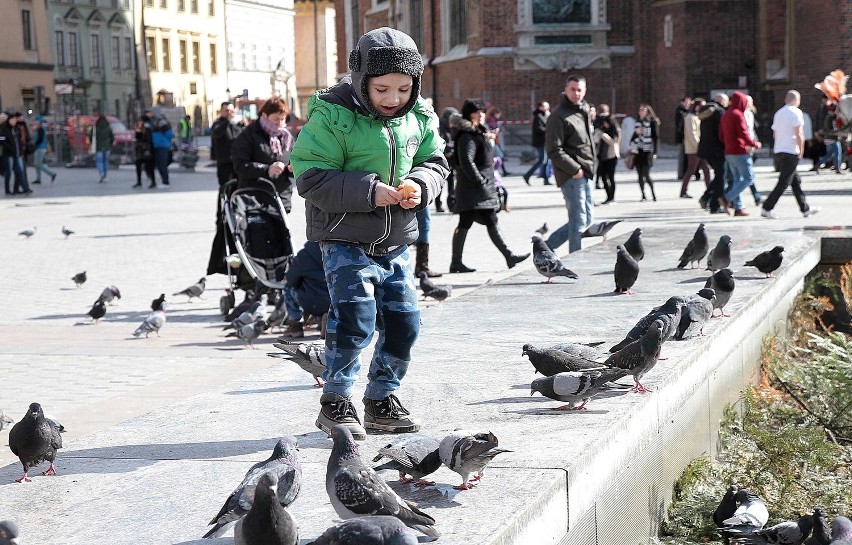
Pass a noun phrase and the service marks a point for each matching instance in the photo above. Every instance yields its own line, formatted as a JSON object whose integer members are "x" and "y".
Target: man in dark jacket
{"x": 712, "y": 150}
{"x": 571, "y": 149}
{"x": 683, "y": 108}
{"x": 539, "y": 128}
{"x": 223, "y": 133}
{"x": 13, "y": 156}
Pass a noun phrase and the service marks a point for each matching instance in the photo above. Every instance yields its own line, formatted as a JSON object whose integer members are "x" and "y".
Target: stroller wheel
{"x": 226, "y": 303}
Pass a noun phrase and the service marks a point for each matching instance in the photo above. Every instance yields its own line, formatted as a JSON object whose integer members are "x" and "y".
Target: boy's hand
{"x": 410, "y": 194}
{"x": 386, "y": 195}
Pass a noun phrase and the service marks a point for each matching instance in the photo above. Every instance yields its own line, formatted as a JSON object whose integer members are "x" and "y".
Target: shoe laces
{"x": 343, "y": 409}
{"x": 391, "y": 407}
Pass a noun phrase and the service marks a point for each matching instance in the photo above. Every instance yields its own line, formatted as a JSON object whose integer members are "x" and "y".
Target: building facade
{"x": 316, "y": 47}
{"x": 26, "y": 64}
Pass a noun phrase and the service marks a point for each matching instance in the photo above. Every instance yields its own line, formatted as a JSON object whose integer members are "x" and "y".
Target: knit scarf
{"x": 280, "y": 138}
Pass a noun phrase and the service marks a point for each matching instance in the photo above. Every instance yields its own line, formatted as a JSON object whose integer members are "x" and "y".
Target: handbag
{"x": 630, "y": 160}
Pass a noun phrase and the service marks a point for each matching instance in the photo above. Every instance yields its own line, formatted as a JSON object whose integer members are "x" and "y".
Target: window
{"x": 254, "y": 56}
{"x": 415, "y": 22}
{"x": 151, "y": 52}
{"x": 164, "y": 4}
{"x": 128, "y": 54}
{"x": 549, "y": 12}
{"x": 113, "y": 4}
{"x": 196, "y": 57}
{"x": 96, "y": 50}
{"x": 181, "y": 5}
{"x": 193, "y": 88}
{"x": 73, "y": 59}
{"x": 166, "y": 54}
{"x": 242, "y": 65}
{"x": 60, "y": 47}
{"x": 458, "y": 23}
{"x": 149, "y": 3}
{"x": 668, "y": 31}
{"x": 213, "y": 69}
{"x": 27, "y": 27}
{"x": 182, "y": 52}
{"x": 193, "y": 6}
{"x": 115, "y": 53}
{"x": 355, "y": 21}
{"x": 211, "y": 8}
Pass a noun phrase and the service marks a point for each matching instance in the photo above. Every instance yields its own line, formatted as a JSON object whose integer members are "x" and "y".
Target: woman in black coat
{"x": 476, "y": 195}
{"x": 263, "y": 151}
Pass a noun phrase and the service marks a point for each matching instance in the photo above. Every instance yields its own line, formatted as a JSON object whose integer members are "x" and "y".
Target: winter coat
{"x": 691, "y": 134}
{"x": 539, "y": 128}
{"x": 103, "y": 135}
{"x": 608, "y": 143}
{"x": 475, "y": 189}
{"x": 162, "y": 135}
{"x": 222, "y": 136}
{"x": 142, "y": 144}
{"x": 343, "y": 152}
{"x": 733, "y": 129}
{"x": 9, "y": 141}
{"x": 710, "y": 146}
{"x": 252, "y": 157}
{"x": 569, "y": 141}
{"x": 307, "y": 277}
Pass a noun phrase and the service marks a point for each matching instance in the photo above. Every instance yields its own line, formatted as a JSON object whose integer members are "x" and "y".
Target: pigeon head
{"x": 202, "y": 280}
{"x": 267, "y": 488}
{"x": 841, "y": 529}
{"x": 9, "y": 529}
{"x": 527, "y": 347}
{"x": 422, "y": 275}
{"x": 536, "y": 238}
{"x": 724, "y": 240}
{"x": 806, "y": 524}
{"x": 537, "y": 385}
{"x": 776, "y": 250}
{"x": 35, "y": 411}
{"x": 344, "y": 444}
{"x": 709, "y": 294}
{"x": 286, "y": 448}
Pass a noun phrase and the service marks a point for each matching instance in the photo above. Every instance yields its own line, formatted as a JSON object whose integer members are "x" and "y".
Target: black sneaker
{"x": 337, "y": 409}
{"x": 389, "y": 415}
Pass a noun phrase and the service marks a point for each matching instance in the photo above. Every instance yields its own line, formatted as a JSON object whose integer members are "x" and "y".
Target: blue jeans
{"x": 424, "y": 225}
{"x": 291, "y": 304}
{"x": 17, "y": 166}
{"x": 39, "y": 164}
{"x": 742, "y": 174}
{"x": 368, "y": 293}
{"x": 578, "y": 200}
{"x": 832, "y": 151}
{"x": 161, "y": 161}
{"x": 540, "y": 164}
{"x": 102, "y": 161}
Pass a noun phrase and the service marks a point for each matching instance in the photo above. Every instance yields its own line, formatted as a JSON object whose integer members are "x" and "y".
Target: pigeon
{"x": 785, "y": 533}
{"x": 821, "y": 532}
{"x": 467, "y": 452}
{"x": 309, "y": 356}
{"x": 841, "y": 529}
{"x": 587, "y": 351}
{"x": 356, "y": 490}
{"x": 577, "y": 388}
{"x": 152, "y": 323}
{"x": 430, "y": 289}
{"x": 626, "y": 271}
{"x": 547, "y": 263}
{"x": 720, "y": 256}
{"x": 640, "y": 356}
{"x": 376, "y": 530}
{"x": 600, "y": 228}
{"x": 669, "y": 313}
{"x": 27, "y": 232}
{"x": 411, "y": 454}
{"x": 67, "y": 232}
{"x": 244, "y": 305}
{"x": 194, "y": 290}
{"x": 156, "y": 303}
{"x": 109, "y": 294}
{"x": 97, "y": 311}
{"x": 249, "y": 332}
{"x": 767, "y": 262}
{"x": 5, "y": 419}
{"x": 283, "y": 463}
{"x": 551, "y": 362}
{"x": 634, "y": 245}
{"x": 257, "y": 311}
{"x": 33, "y": 440}
{"x": 727, "y": 506}
{"x": 278, "y": 317}
{"x": 749, "y": 513}
{"x": 55, "y": 421}
{"x": 695, "y": 249}
{"x": 543, "y": 229}
{"x": 79, "y": 279}
{"x": 695, "y": 313}
{"x": 9, "y": 532}
{"x": 723, "y": 283}
{"x": 267, "y": 522}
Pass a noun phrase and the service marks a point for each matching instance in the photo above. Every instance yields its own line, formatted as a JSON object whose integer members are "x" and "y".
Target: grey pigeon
{"x": 600, "y": 228}
{"x": 9, "y": 531}
{"x": 109, "y": 294}
{"x": 267, "y": 522}
{"x": 669, "y": 313}
{"x": 156, "y": 303}
{"x": 841, "y": 529}
{"x": 97, "y": 311}
{"x": 33, "y": 440}
{"x": 589, "y": 351}
{"x": 152, "y": 323}
{"x": 727, "y": 506}
{"x": 435, "y": 291}
{"x": 575, "y": 388}
{"x": 767, "y": 262}
{"x": 79, "y": 279}
{"x": 411, "y": 454}
{"x": 67, "y": 232}
{"x": 640, "y": 356}
{"x": 626, "y": 271}
{"x": 257, "y": 311}
{"x": 278, "y": 317}
{"x": 723, "y": 283}
{"x": 249, "y": 332}
{"x": 356, "y": 490}
{"x": 695, "y": 249}
{"x": 309, "y": 356}
{"x": 376, "y": 530}
{"x": 750, "y": 515}
{"x": 467, "y": 452}
{"x": 194, "y": 290}
{"x": 244, "y": 305}
{"x": 547, "y": 263}
{"x": 56, "y": 423}
{"x": 27, "y": 232}
{"x": 634, "y": 245}
{"x": 785, "y": 533}
{"x": 283, "y": 463}
{"x": 543, "y": 229}
{"x": 551, "y": 362}
{"x": 720, "y": 256}
{"x": 5, "y": 419}
{"x": 695, "y": 313}
{"x": 821, "y": 531}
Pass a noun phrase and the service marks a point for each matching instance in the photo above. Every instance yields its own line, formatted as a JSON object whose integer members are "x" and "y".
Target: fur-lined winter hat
{"x": 472, "y": 105}
{"x": 385, "y": 51}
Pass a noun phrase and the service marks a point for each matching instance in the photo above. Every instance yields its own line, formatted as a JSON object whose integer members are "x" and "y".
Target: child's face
{"x": 390, "y": 92}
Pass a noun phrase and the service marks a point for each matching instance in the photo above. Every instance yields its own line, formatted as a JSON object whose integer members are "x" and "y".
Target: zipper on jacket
{"x": 336, "y": 225}
{"x": 392, "y": 147}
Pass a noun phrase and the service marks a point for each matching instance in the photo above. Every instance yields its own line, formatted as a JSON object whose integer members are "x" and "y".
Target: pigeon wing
{"x": 365, "y": 493}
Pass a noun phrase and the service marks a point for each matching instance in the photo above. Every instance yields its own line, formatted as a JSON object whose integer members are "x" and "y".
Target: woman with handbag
{"x": 608, "y": 143}
{"x": 645, "y": 138}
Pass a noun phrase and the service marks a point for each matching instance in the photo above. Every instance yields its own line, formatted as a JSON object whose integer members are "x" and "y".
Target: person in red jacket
{"x": 739, "y": 145}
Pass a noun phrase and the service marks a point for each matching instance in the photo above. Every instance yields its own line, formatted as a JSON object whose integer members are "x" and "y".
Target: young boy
{"x": 367, "y": 160}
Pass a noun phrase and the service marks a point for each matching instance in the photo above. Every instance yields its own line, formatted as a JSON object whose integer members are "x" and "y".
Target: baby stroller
{"x": 257, "y": 223}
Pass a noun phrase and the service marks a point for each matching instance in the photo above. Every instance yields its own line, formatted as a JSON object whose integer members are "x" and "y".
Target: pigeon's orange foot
{"x": 50, "y": 470}
{"x": 424, "y": 482}
{"x": 464, "y": 486}
{"x": 25, "y": 479}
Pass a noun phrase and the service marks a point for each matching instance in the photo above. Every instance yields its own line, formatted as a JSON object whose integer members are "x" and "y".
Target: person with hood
{"x": 476, "y": 195}
{"x": 161, "y": 141}
{"x": 40, "y": 144}
{"x": 101, "y": 138}
{"x": 739, "y": 145}
{"x": 539, "y": 129}
{"x": 712, "y": 150}
{"x": 368, "y": 158}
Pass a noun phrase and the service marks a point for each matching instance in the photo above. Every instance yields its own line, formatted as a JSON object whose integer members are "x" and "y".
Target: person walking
{"x": 787, "y": 126}
{"x": 222, "y": 135}
{"x": 144, "y": 150}
{"x": 185, "y": 132}
{"x": 161, "y": 141}
{"x": 367, "y": 160}
{"x": 833, "y": 131}
{"x": 684, "y": 107}
{"x": 446, "y": 128}
{"x": 691, "y": 140}
{"x": 571, "y": 149}
{"x": 101, "y": 138}
{"x": 646, "y": 139}
{"x": 539, "y": 129}
{"x": 739, "y": 145}
{"x": 608, "y": 146}
{"x": 711, "y": 149}
{"x": 42, "y": 147}
{"x": 13, "y": 156}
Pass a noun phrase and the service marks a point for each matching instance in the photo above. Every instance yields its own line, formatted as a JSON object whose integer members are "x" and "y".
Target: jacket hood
{"x": 461, "y": 124}
{"x": 739, "y": 101}
{"x": 385, "y": 51}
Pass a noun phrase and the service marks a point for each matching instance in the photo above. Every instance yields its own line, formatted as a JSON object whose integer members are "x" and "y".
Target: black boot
{"x": 421, "y": 263}
{"x": 456, "y": 265}
{"x": 497, "y": 239}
